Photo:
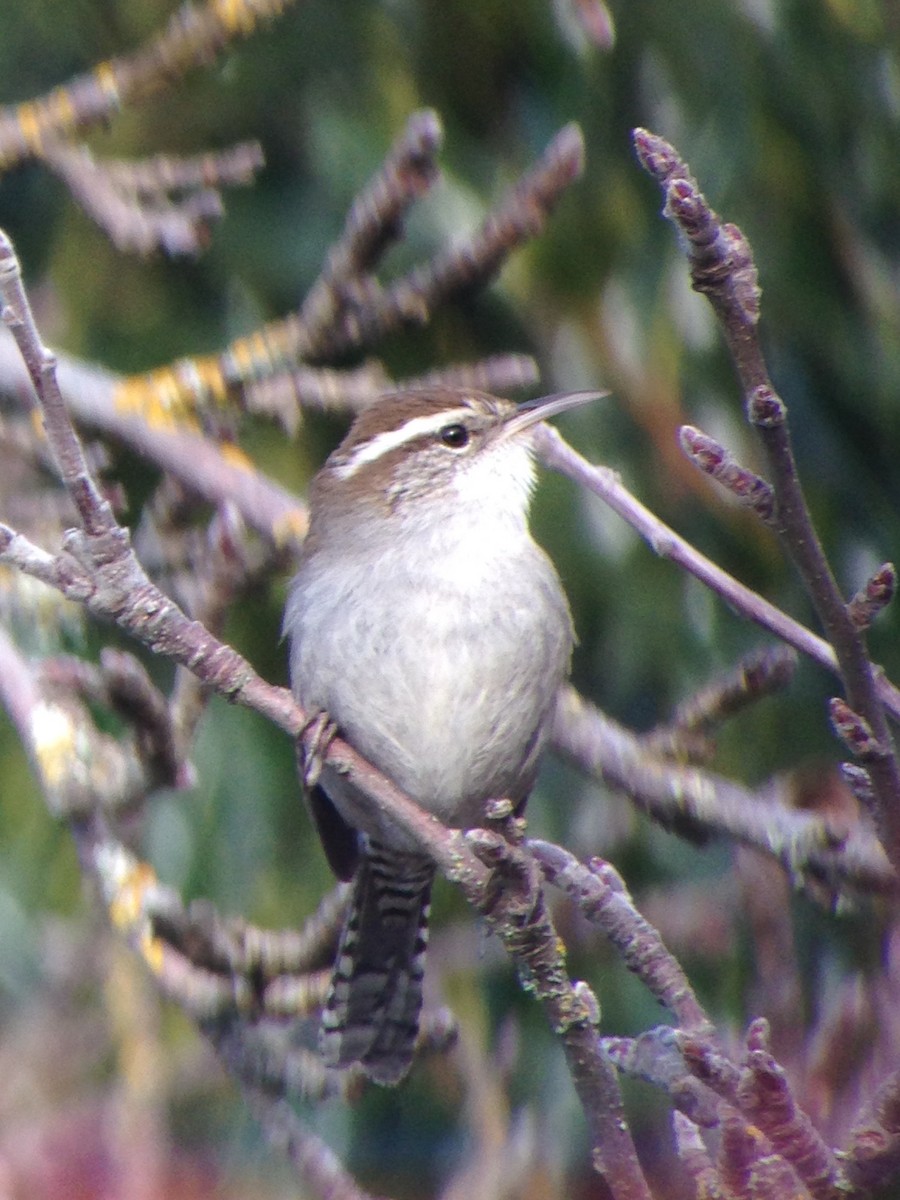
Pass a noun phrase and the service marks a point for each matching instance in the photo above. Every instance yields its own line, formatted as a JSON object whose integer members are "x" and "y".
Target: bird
{"x": 429, "y": 629}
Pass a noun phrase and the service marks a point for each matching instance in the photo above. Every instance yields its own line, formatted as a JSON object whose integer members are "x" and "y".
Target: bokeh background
{"x": 789, "y": 113}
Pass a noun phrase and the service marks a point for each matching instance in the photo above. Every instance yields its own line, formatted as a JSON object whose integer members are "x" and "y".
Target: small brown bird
{"x": 434, "y": 632}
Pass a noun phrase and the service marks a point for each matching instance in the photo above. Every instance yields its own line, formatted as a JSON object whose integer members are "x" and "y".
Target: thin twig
{"x": 409, "y": 170}
{"x": 758, "y": 674}
{"x": 316, "y": 1163}
{"x": 603, "y": 482}
{"x": 134, "y": 202}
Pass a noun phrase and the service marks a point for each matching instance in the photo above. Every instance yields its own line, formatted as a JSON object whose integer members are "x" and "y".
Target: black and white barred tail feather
{"x": 372, "y": 1012}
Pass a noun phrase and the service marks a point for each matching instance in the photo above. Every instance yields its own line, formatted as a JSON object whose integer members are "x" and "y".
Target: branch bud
{"x": 876, "y": 595}
{"x": 714, "y": 460}
{"x": 854, "y": 730}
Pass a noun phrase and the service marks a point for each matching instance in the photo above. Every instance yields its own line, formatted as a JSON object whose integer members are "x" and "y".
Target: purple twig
{"x": 722, "y": 268}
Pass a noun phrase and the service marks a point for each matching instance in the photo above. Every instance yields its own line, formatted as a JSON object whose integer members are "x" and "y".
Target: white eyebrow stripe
{"x": 390, "y": 439}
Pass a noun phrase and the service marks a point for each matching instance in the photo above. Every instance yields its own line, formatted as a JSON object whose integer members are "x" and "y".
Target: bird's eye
{"x": 455, "y": 436}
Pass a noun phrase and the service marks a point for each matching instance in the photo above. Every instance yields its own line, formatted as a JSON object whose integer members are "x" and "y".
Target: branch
{"x": 315, "y": 1162}
{"x": 722, "y": 268}
{"x": 826, "y": 849}
{"x": 478, "y": 861}
{"x": 193, "y": 37}
{"x": 758, "y": 674}
{"x": 600, "y": 893}
{"x": 603, "y": 482}
{"x": 375, "y": 220}
{"x": 520, "y": 216}
{"x": 134, "y": 202}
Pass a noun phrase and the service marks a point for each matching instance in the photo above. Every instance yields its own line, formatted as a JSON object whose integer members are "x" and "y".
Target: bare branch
{"x": 519, "y": 216}
{"x": 827, "y": 850}
{"x": 316, "y": 1163}
{"x": 604, "y": 482}
{"x": 722, "y": 268}
{"x": 133, "y": 202}
{"x": 94, "y": 512}
{"x": 600, "y": 893}
{"x": 765, "y": 1097}
{"x": 234, "y": 947}
{"x": 375, "y": 220}
{"x": 758, "y": 674}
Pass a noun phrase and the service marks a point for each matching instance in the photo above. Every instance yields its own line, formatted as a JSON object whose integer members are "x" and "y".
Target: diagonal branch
{"x": 193, "y": 37}
{"x": 605, "y": 483}
{"x": 375, "y": 220}
{"x": 497, "y": 878}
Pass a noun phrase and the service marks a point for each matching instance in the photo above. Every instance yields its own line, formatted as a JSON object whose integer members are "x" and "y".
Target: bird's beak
{"x": 532, "y": 411}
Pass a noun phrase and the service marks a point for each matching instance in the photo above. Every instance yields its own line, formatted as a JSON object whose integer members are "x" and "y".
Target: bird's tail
{"x": 372, "y": 1012}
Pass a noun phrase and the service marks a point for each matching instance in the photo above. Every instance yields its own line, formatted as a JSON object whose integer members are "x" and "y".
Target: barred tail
{"x": 372, "y": 1012}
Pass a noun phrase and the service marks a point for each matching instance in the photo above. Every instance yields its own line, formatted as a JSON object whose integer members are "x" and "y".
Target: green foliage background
{"x": 789, "y": 114}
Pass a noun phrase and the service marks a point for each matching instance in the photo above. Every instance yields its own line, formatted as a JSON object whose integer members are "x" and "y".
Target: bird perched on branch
{"x": 433, "y": 632}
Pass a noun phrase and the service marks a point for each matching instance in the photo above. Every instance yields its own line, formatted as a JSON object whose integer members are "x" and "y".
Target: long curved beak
{"x": 533, "y": 411}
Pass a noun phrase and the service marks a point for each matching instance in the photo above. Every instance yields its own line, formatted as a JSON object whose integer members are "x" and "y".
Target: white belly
{"x": 442, "y": 678}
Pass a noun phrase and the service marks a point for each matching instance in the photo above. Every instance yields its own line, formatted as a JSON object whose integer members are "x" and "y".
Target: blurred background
{"x": 789, "y": 115}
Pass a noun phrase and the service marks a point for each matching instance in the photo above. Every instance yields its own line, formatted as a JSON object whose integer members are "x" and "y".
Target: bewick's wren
{"x": 434, "y": 633}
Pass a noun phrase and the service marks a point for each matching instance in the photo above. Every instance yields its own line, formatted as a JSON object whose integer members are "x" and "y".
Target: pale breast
{"x": 443, "y": 675}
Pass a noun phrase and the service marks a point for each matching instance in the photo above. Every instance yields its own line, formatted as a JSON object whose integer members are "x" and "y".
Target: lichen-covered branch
{"x": 194, "y": 37}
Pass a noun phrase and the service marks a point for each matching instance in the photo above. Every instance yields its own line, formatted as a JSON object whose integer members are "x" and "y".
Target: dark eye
{"x": 454, "y": 436}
